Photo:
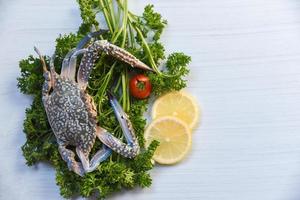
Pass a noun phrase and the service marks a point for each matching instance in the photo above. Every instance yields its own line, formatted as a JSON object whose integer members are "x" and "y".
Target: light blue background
{"x": 245, "y": 73}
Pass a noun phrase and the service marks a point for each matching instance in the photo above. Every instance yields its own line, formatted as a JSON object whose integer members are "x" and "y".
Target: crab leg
{"x": 65, "y": 64}
{"x": 68, "y": 67}
{"x": 72, "y": 64}
{"x": 92, "y": 54}
{"x": 88, "y": 37}
{"x": 129, "y": 150}
{"x": 69, "y": 157}
{"x": 99, "y": 157}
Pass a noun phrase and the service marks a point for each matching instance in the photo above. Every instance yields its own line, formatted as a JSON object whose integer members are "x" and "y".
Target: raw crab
{"x": 72, "y": 113}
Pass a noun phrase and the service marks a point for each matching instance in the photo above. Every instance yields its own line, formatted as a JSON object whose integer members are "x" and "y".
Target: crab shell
{"x": 72, "y": 114}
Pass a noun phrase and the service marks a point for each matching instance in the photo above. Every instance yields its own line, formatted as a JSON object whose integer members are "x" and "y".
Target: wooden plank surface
{"x": 245, "y": 73}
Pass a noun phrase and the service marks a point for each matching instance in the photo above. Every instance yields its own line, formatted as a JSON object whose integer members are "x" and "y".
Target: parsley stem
{"x": 117, "y": 85}
{"x": 106, "y": 15}
{"x": 124, "y": 91}
{"x": 153, "y": 64}
{"x": 122, "y": 28}
{"x": 130, "y": 17}
{"x": 109, "y": 5}
{"x": 118, "y": 15}
{"x": 104, "y": 86}
{"x": 124, "y": 25}
{"x": 127, "y": 90}
{"x": 122, "y": 7}
{"x": 131, "y": 35}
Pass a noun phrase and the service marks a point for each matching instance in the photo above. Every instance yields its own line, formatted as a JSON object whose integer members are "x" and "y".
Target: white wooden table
{"x": 245, "y": 72}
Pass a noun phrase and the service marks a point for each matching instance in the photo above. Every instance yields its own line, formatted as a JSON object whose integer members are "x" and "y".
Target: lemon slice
{"x": 179, "y": 105}
{"x": 174, "y": 136}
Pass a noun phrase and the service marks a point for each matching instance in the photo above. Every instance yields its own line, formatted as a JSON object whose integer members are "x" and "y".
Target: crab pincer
{"x": 129, "y": 150}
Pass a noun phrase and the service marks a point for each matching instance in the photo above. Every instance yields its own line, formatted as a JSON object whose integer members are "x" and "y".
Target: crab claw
{"x": 121, "y": 54}
{"x": 129, "y": 150}
{"x": 123, "y": 119}
{"x": 141, "y": 65}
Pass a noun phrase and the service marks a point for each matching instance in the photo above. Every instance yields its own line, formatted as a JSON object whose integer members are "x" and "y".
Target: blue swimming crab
{"x": 71, "y": 110}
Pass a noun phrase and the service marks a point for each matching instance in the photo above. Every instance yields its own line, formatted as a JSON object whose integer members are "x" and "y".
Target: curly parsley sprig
{"x": 141, "y": 36}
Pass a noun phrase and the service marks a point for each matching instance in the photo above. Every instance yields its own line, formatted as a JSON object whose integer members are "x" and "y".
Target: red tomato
{"x": 140, "y": 86}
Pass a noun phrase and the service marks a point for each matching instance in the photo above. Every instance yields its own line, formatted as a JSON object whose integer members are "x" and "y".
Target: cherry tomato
{"x": 140, "y": 86}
